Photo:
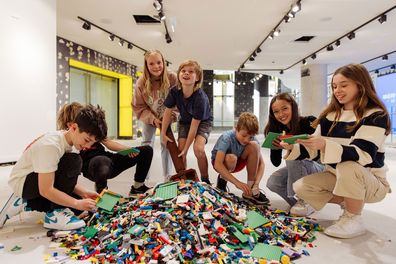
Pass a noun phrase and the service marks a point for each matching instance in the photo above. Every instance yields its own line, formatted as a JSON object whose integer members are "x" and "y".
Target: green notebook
{"x": 268, "y": 140}
{"x": 292, "y": 139}
{"x": 125, "y": 152}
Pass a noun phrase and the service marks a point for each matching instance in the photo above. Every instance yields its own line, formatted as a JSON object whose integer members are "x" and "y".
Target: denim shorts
{"x": 204, "y": 129}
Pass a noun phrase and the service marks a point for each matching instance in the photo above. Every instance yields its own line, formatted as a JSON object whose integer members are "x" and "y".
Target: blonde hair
{"x": 67, "y": 114}
{"x": 146, "y": 77}
{"x": 198, "y": 72}
{"x": 366, "y": 98}
{"x": 248, "y": 121}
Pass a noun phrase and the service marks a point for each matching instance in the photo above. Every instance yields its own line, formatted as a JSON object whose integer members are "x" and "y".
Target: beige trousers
{"x": 350, "y": 180}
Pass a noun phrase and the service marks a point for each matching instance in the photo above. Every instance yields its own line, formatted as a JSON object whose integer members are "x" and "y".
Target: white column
{"x": 313, "y": 97}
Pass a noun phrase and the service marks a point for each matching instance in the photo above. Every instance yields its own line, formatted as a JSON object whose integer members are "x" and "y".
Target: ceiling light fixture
{"x": 86, "y": 26}
{"x": 161, "y": 15}
{"x": 385, "y": 57}
{"x": 121, "y": 42}
{"x": 351, "y": 35}
{"x": 168, "y": 38}
{"x": 296, "y": 7}
{"x": 276, "y": 32}
{"x": 157, "y": 4}
{"x": 330, "y": 48}
{"x": 304, "y": 62}
{"x": 382, "y": 19}
{"x": 258, "y": 50}
{"x": 112, "y": 36}
{"x": 281, "y": 72}
{"x": 393, "y": 67}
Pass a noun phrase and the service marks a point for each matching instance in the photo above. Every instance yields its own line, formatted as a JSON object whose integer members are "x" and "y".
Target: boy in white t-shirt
{"x": 45, "y": 177}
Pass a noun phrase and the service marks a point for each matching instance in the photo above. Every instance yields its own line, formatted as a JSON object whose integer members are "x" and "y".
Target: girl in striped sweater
{"x": 349, "y": 139}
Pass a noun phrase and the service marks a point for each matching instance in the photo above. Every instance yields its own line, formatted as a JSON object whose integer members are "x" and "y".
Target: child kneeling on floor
{"x": 45, "y": 177}
{"x": 235, "y": 150}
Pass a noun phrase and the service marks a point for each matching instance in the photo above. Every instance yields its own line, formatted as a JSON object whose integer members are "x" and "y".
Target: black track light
{"x": 304, "y": 62}
{"x": 251, "y": 58}
{"x": 86, "y": 26}
{"x": 254, "y": 54}
{"x": 385, "y": 57}
{"x": 376, "y": 71}
{"x": 258, "y": 50}
{"x": 281, "y": 72}
{"x": 393, "y": 67}
{"x": 287, "y": 19}
{"x": 337, "y": 43}
{"x": 382, "y": 19}
{"x": 351, "y": 35}
{"x": 168, "y": 38}
{"x": 121, "y": 42}
{"x": 111, "y": 37}
{"x": 330, "y": 48}
{"x": 313, "y": 56}
{"x": 157, "y": 4}
{"x": 161, "y": 15}
{"x": 242, "y": 66}
{"x": 130, "y": 46}
{"x": 296, "y": 7}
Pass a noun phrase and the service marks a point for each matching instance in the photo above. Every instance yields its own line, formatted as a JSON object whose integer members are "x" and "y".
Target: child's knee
{"x": 299, "y": 187}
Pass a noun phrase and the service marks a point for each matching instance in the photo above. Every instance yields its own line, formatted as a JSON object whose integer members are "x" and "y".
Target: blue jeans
{"x": 281, "y": 181}
{"x": 148, "y": 135}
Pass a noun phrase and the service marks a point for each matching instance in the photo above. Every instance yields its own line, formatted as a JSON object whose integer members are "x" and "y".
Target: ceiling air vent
{"x": 304, "y": 38}
{"x": 145, "y": 19}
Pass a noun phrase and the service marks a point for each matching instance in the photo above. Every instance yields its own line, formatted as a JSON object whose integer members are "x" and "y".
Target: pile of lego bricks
{"x": 197, "y": 224}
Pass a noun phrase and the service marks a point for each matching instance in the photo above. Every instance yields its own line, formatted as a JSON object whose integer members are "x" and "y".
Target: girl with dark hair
{"x": 284, "y": 116}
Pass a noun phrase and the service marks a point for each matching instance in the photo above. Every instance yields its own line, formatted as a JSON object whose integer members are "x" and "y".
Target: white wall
{"x": 27, "y": 73}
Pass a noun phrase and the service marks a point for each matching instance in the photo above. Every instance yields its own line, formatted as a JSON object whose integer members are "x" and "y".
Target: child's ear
{"x": 72, "y": 126}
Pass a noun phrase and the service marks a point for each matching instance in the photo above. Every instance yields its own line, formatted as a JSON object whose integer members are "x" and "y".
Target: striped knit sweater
{"x": 365, "y": 144}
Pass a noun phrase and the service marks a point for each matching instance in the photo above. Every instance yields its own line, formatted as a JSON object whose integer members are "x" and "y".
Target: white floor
{"x": 378, "y": 245}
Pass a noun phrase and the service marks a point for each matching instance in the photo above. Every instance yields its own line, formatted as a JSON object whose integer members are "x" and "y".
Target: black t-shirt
{"x": 196, "y": 106}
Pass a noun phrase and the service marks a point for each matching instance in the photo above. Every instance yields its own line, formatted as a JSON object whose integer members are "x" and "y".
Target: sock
{"x": 138, "y": 184}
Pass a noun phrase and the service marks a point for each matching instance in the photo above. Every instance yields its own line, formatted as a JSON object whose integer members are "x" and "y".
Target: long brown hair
{"x": 147, "y": 76}
{"x": 274, "y": 125}
{"x": 366, "y": 99}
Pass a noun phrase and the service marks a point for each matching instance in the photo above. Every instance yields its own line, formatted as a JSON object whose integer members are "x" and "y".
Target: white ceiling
{"x": 221, "y": 34}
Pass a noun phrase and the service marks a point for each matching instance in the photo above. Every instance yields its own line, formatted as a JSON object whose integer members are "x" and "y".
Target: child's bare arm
{"x": 113, "y": 145}
{"x": 166, "y": 120}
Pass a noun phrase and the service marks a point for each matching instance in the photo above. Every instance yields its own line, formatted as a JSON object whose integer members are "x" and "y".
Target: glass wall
{"x": 386, "y": 89}
{"x": 223, "y": 100}
{"x": 91, "y": 88}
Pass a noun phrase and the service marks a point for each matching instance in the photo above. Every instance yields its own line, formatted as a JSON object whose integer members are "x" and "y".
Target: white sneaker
{"x": 14, "y": 206}
{"x": 348, "y": 226}
{"x": 301, "y": 208}
{"x": 62, "y": 219}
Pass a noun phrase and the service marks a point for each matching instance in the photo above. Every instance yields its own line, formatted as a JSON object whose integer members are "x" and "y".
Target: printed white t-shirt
{"x": 40, "y": 156}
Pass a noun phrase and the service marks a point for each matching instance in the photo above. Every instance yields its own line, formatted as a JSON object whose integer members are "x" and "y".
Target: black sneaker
{"x": 259, "y": 199}
{"x": 142, "y": 189}
{"x": 206, "y": 180}
{"x": 221, "y": 184}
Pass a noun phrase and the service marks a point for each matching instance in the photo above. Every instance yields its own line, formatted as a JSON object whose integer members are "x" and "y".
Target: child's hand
{"x": 313, "y": 142}
{"x": 183, "y": 153}
{"x": 276, "y": 142}
{"x": 133, "y": 154}
{"x": 86, "y": 204}
{"x": 90, "y": 194}
{"x": 244, "y": 188}
{"x": 285, "y": 145}
{"x": 165, "y": 139}
{"x": 157, "y": 123}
